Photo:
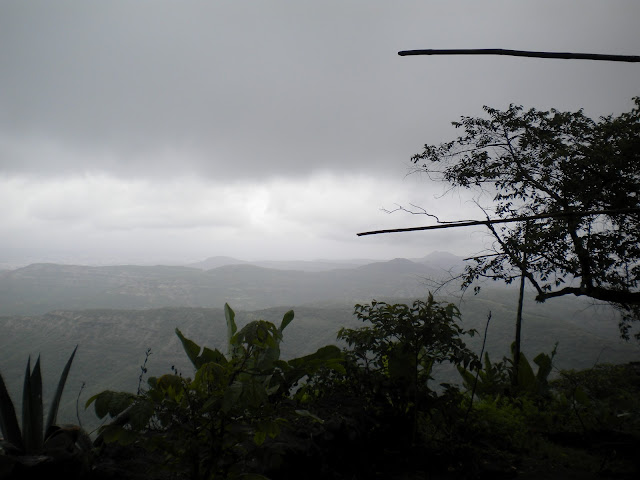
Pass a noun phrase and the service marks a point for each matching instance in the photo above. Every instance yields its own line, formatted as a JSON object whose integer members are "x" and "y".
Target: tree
{"x": 396, "y": 351}
{"x": 582, "y": 176}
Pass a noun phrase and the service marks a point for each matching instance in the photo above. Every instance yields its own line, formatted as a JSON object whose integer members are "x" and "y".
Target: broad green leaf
{"x": 468, "y": 378}
{"x": 111, "y": 433}
{"x": 267, "y": 358}
{"x": 55, "y": 404}
{"x": 208, "y": 356}
{"x": 544, "y": 367}
{"x": 231, "y": 396}
{"x": 8, "y": 420}
{"x": 307, "y": 413}
{"x": 190, "y": 347}
{"x": 319, "y": 358}
{"x": 487, "y": 362}
{"x": 286, "y": 320}
{"x": 234, "y": 347}
{"x": 526, "y": 377}
{"x": 266, "y": 428}
{"x": 170, "y": 381}
{"x": 210, "y": 376}
{"x": 259, "y": 437}
{"x": 329, "y": 356}
{"x": 109, "y": 402}
{"x": 230, "y": 316}
{"x": 253, "y": 394}
{"x": 139, "y": 415}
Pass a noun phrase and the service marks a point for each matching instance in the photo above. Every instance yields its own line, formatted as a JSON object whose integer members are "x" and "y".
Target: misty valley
{"x": 124, "y": 320}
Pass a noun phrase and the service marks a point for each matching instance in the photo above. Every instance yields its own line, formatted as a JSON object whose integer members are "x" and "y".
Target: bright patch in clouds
{"x": 186, "y": 219}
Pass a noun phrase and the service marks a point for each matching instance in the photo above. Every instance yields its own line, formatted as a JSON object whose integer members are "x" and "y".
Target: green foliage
{"x": 352, "y": 413}
{"x": 583, "y": 173}
{"x": 391, "y": 358}
{"x": 603, "y": 398}
{"x": 529, "y": 382}
{"x": 497, "y": 379}
{"x": 33, "y": 437}
{"x": 414, "y": 337}
{"x": 493, "y": 379}
{"x": 500, "y": 422}
{"x": 233, "y": 407}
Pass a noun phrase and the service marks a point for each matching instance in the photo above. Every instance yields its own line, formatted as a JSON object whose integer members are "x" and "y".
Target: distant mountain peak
{"x": 397, "y": 265}
{"x": 401, "y": 261}
{"x": 215, "y": 262}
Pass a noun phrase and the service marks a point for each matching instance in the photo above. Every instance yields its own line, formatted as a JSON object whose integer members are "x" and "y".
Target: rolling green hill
{"x": 41, "y": 288}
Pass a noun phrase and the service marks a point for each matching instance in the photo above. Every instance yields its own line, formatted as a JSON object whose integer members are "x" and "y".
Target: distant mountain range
{"x": 41, "y": 288}
{"x": 435, "y": 259}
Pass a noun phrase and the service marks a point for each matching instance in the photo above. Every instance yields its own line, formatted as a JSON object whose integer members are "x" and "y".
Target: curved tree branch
{"x": 606, "y": 295}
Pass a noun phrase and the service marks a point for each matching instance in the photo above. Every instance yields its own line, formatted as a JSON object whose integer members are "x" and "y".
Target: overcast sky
{"x": 157, "y": 131}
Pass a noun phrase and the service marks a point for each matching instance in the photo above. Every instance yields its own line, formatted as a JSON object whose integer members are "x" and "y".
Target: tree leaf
{"x": 286, "y": 320}
{"x": 307, "y": 413}
{"x": 544, "y": 367}
{"x": 526, "y": 377}
{"x": 111, "y": 403}
{"x": 230, "y": 316}
{"x": 190, "y": 347}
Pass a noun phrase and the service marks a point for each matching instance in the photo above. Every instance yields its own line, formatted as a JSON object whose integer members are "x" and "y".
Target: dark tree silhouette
{"x": 569, "y": 185}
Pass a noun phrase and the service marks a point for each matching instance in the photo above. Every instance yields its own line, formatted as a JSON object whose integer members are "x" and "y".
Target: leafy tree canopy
{"x": 584, "y": 172}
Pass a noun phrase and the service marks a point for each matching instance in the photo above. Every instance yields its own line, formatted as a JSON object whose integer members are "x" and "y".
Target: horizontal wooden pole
{"x": 525, "y": 53}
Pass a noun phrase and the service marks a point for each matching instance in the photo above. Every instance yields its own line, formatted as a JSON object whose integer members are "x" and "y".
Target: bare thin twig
{"x": 471, "y": 223}
{"x": 422, "y": 211}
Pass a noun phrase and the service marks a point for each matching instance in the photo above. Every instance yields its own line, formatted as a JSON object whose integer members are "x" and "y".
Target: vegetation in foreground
{"x": 370, "y": 410}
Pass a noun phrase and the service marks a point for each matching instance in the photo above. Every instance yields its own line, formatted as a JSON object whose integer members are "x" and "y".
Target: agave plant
{"x": 31, "y": 440}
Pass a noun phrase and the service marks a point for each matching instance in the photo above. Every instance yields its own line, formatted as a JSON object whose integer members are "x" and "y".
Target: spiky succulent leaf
{"x": 55, "y": 404}
{"x": 32, "y": 434}
{"x": 8, "y": 420}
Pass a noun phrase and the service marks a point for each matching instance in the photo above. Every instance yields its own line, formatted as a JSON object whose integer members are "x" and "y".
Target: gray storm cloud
{"x": 249, "y": 118}
{"x": 284, "y": 88}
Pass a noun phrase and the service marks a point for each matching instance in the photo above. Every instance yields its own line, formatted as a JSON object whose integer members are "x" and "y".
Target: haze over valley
{"x": 116, "y": 313}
